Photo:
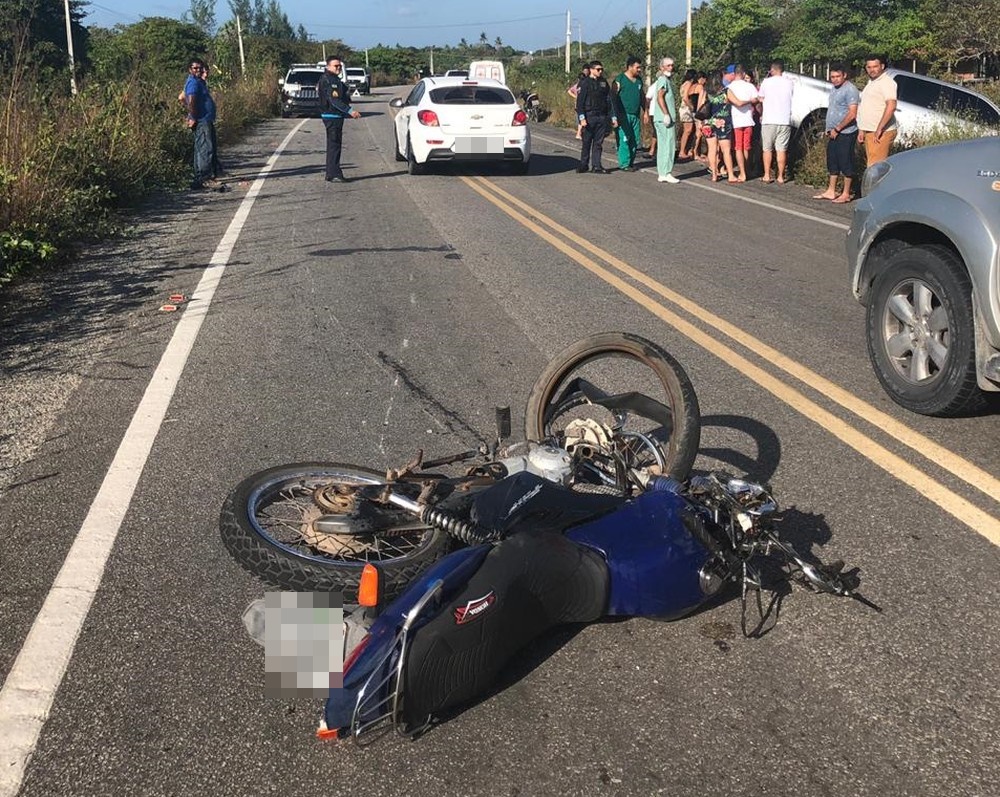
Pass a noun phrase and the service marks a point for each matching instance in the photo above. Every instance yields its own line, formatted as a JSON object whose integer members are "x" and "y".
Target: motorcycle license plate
{"x": 479, "y": 145}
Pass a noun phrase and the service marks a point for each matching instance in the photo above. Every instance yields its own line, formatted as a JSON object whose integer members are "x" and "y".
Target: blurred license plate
{"x": 479, "y": 145}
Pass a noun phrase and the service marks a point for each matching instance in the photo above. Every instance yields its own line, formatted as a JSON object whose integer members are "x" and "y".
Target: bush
{"x": 67, "y": 163}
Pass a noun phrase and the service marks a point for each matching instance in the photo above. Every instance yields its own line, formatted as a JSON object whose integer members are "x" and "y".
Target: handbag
{"x": 703, "y": 112}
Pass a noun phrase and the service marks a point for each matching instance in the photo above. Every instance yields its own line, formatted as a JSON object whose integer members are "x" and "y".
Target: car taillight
{"x": 520, "y": 118}
{"x": 428, "y": 118}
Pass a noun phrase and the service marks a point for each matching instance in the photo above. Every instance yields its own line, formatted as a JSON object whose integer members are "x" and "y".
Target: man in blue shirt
{"x": 842, "y": 132}
{"x": 200, "y": 117}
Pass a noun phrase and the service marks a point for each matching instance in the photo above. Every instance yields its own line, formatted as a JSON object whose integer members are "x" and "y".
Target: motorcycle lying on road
{"x": 593, "y": 515}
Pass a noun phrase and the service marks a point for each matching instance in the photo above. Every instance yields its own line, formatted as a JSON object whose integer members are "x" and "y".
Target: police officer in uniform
{"x": 595, "y": 111}
{"x": 334, "y": 108}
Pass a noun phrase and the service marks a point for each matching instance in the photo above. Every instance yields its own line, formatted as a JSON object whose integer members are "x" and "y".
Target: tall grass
{"x": 68, "y": 163}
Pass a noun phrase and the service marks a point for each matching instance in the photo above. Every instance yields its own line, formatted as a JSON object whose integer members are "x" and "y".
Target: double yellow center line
{"x": 963, "y": 510}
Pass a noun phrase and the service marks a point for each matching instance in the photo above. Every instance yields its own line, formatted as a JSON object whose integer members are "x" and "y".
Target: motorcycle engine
{"x": 548, "y": 462}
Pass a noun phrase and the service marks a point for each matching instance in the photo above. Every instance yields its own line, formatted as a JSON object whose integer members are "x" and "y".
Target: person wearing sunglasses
{"x": 334, "y": 109}
{"x": 594, "y": 110}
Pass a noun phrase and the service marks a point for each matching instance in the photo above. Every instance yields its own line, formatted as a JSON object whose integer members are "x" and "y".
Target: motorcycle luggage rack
{"x": 382, "y": 693}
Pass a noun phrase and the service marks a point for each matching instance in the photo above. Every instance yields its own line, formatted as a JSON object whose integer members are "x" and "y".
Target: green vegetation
{"x": 69, "y": 162}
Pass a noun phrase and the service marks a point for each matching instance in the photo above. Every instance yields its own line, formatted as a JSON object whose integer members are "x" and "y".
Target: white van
{"x": 487, "y": 70}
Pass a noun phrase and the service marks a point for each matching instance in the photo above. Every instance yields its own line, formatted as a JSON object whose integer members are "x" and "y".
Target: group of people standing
{"x": 719, "y": 114}
{"x": 621, "y": 105}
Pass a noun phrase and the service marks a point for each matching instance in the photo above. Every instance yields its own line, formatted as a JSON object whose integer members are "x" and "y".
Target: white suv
{"x": 923, "y": 103}
{"x": 358, "y": 78}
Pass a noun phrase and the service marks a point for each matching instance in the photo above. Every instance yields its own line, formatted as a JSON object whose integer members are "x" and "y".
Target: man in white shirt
{"x": 776, "y": 92}
{"x": 742, "y": 95}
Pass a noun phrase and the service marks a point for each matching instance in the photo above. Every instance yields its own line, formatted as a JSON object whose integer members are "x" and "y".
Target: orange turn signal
{"x": 368, "y": 588}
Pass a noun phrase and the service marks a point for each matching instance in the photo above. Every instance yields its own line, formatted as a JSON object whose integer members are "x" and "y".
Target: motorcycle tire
{"x": 276, "y": 548}
{"x": 663, "y": 376}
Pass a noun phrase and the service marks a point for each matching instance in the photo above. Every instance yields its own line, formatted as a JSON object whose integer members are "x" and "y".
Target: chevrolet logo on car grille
{"x": 476, "y": 116}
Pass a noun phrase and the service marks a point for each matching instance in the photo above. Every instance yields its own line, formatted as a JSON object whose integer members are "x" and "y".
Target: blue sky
{"x": 526, "y": 24}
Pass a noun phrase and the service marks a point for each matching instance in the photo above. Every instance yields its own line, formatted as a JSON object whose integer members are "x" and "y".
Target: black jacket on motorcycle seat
{"x": 529, "y": 583}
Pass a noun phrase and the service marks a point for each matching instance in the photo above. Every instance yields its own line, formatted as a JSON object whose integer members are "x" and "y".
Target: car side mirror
{"x": 281, "y": 81}
{"x": 396, "y": 103}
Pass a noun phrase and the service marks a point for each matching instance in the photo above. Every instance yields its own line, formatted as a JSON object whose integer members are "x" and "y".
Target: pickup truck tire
{"x": 921, "y": 333}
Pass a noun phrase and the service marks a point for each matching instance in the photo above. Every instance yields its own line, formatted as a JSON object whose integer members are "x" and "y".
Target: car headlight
{"x": 873, "y": 176}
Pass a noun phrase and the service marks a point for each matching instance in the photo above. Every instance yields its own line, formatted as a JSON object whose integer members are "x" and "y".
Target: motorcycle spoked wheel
{"x": 267, "y": 525}
{"x": 616, "y": 363}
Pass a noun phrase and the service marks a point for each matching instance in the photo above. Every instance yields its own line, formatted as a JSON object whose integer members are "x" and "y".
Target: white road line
{"x": 731, "y": 194}
{"x": 30, "y": 689}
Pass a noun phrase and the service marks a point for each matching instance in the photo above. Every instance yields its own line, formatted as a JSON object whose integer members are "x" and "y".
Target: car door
{"x": 918, "y": 108}
{"x": 405, "y": 116}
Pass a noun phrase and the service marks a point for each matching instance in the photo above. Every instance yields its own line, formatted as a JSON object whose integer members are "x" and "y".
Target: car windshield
{"x": 471, "y": 95}
{"x": 304, "y": 78}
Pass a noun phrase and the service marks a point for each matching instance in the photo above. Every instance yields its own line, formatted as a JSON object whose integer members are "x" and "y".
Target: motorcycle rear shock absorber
{"x": 464, "y": 530}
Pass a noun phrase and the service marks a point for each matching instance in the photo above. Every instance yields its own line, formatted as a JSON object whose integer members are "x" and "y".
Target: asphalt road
{"x": 361, "y": 322}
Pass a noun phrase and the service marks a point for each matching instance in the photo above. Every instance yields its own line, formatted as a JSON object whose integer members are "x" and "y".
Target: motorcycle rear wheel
{"x": 629, "y": 363}
{"x": 266, "y": 524}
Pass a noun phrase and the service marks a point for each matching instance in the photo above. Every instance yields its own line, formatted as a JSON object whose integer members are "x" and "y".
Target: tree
{"x": 969, "y": 30}
{"x": 157, "y": 47}
{"x": 484, "y": 40}
{"x": 33, "y": 33}
{"x": 202, "y": 14}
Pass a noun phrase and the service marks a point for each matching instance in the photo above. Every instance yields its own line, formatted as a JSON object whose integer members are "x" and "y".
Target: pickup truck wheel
{"x": 921, "y": 334}
{"x": 411, "y": 161}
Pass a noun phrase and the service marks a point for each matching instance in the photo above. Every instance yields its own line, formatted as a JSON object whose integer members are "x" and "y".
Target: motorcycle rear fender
{"x": 454, "y": 570}
{"x": 653, "y": 558}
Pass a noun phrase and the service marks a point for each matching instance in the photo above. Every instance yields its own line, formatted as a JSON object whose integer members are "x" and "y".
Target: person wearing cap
{"x": 334, "y": 108}
{"x": 594, "y": 110}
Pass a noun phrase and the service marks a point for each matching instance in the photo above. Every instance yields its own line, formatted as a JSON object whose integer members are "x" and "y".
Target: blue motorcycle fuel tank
{"x": 653, "y": 558}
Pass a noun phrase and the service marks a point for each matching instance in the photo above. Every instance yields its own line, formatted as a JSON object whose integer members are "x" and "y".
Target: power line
{"x": 434, "y": 27}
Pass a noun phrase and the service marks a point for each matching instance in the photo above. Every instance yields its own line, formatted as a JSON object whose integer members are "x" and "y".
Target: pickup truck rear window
{"x": 471, "y": 95}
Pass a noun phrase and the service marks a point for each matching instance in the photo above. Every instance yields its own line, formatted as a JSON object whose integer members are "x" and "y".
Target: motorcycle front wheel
{"x": 629, "y": 385}
{"x": 294, "y": 527}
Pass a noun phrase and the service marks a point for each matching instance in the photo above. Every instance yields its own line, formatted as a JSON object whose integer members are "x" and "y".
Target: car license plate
{"x": 479, "y": 145}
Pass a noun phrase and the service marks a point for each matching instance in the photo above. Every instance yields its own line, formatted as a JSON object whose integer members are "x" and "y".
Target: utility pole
{"x": 366, "y": 58}
{"x": 243, "y": 60}
{"x": 569, "y": 38}
{"x": 649, "y": 38}
{"x": 687, "y": 51}
{"x": 69, "y": 48}
{"x": 579, "y": 39}
{"x": 432, "y": 59}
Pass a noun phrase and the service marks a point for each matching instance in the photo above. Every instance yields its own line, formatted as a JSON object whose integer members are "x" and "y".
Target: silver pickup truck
{"x": 923, "y": 254}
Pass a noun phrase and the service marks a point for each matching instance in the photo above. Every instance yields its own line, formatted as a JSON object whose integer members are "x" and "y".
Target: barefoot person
{"x": 842, "y": 134}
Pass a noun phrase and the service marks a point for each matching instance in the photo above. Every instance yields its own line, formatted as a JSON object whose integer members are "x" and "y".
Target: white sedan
{"x": 457, "y": 119}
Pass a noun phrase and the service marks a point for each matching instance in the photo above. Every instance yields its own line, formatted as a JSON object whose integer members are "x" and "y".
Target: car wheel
{"x": 411, "y": 161}
{"x": 921, "y": 333}
{"x": 395, "y": 146}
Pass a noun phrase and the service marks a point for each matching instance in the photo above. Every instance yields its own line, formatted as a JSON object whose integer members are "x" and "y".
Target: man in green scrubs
{"x": 629, "y": 96}
{"x": 665, "y": 122}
